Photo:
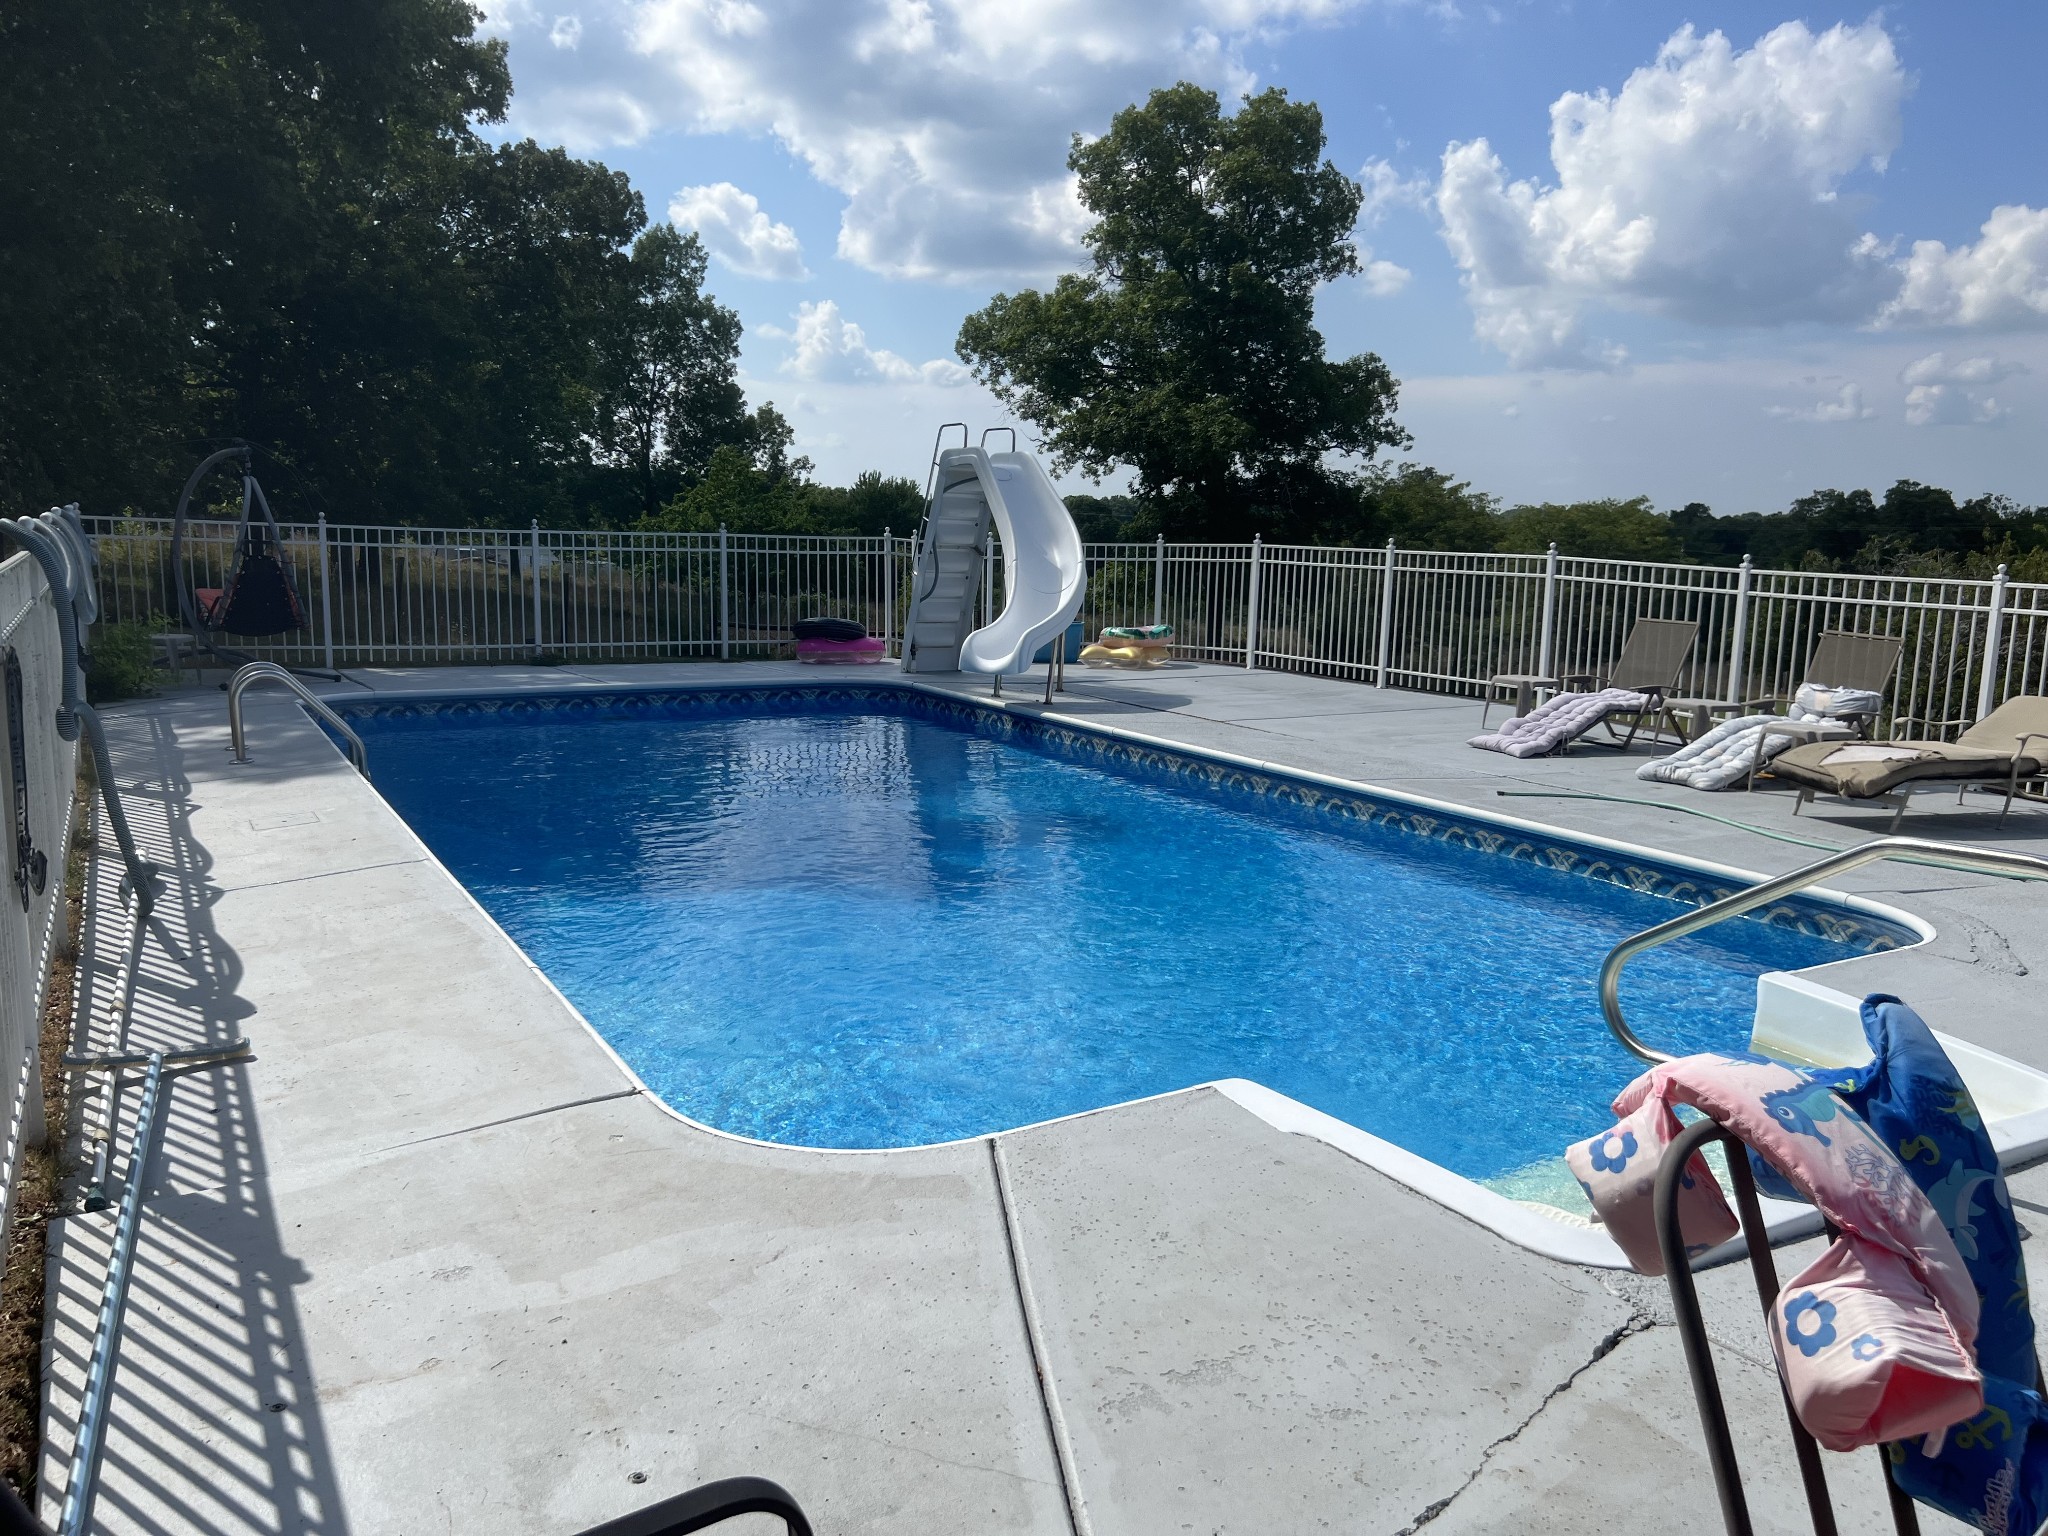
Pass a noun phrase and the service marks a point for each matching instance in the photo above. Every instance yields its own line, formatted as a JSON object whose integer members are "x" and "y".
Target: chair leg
{"x": 1897, "y": 816}
{"x": 1905, "y": 1514}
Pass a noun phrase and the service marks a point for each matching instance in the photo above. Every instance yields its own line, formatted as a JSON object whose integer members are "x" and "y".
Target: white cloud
{"x": 1845, "y": 404}
{"x": 944, "y": 123}
{"x": 831, "y": 348}
{"x": 2001, "y": 281}
{"x": 1707, "y": 189}
{"x": 1386, "y": 188}
{"x": 1941, "y": 393}
{"x": 567, "y": 31}
{"x": 1383, "y": 279}
{"x": 735, "y": 230}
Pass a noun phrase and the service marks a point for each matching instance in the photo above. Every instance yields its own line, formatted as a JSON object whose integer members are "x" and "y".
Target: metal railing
{"x": 1912, "y": 849}
{"x": 1400, "y": 618}
{"x": 256, "y": 672}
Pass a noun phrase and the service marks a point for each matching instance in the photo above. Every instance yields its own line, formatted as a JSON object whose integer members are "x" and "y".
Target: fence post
{"x": 1738, "y": 644}
{"x": 1547, "y": 646}
{"x": 1379, "y": 676}
{"x": 888, "y": 589}
{"x": 326, "y": 601}
{"x": 1159, "y": 579}
{"x": 724, "y": 595}
{"x": 533, "y": 565}
{"x": 1251, "y": 615}
{"x": 1994, "y": 626}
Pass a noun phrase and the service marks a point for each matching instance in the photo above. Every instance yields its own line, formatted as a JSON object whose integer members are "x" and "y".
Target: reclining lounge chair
{"x": 1647, "y": 670}
{"x": 1864, "y": 663}
{"x": 1650, "y": 662}
{"x": 2007, "y": 745}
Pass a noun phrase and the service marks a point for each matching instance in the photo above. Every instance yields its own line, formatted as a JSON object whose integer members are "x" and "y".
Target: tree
{"x": 1189, "y": 351}
{"x": 278, "y": 221}
{"x": 1424, "y": 508}
{"x": 181, "y": 179}
{"x": 873, "y": 505}
{"x": 1600, "y": 530}
{"x": 670, "y": 394}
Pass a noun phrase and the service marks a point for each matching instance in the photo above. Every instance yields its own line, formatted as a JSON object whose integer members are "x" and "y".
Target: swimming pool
{"x": 856, "y": 916}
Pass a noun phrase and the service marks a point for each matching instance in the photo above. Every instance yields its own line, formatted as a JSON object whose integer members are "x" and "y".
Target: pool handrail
{"x": 270, "y": 672}
{"x": 1990, "y": 860}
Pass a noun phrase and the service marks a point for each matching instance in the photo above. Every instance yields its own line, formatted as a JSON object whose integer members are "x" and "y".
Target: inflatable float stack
{"x": 836, "y": 642}
{"x": 1139, "y": 648}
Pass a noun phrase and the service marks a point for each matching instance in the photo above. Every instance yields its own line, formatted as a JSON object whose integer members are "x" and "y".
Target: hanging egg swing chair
{"x": 258, "y": 600}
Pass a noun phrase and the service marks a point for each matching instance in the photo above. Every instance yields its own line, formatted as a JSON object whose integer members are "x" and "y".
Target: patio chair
{"x": 704, "y": 1506}
{"x": 1650, "y": 644}
{"x": 1910, "y": 1073}
{"x": 707, "y": 1505}
{"x": 2006, "y": 746}
{"x": 1650, "y": 662}
{"x": 1839, "y": 660}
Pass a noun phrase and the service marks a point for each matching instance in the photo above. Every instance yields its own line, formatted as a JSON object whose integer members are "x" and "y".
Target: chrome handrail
{"x": 1917, "y": 849}
{"x": 270, "y": 672}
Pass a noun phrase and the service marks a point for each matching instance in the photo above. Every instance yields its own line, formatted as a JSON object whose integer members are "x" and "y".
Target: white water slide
{"x": 1045, "y": 574}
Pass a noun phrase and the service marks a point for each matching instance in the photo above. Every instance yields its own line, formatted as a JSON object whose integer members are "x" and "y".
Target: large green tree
{"x": 279, "y": 221}
{"x": 671, "y": 352}
{"x": 1189, "y": 353}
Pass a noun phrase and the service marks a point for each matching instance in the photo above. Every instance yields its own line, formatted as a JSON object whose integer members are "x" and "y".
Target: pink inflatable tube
{"x": 842, "y": 651}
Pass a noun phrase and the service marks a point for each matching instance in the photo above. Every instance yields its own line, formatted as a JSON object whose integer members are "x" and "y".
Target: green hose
{"x": 1740, "y": 826}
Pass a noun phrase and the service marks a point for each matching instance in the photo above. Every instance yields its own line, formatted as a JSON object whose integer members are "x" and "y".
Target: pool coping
{"x": 1556, "y": 1236}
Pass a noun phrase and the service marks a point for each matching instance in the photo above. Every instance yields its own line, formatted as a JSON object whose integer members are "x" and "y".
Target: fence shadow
{"x": 215, "y": 1422}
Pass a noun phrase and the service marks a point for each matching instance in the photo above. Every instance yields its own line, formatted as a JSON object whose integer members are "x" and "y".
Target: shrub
{"x": 120, "y": 660}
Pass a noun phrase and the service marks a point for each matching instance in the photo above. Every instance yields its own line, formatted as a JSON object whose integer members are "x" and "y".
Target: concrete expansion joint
{"x": 1637, "y": 1322}
{"x": 1034, "y": 1337}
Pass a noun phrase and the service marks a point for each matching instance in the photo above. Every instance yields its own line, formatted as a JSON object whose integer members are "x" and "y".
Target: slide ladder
{"x": 1045, "y": 574}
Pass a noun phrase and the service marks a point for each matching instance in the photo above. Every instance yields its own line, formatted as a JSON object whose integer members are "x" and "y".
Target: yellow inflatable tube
{"x": 1123, "y": 655}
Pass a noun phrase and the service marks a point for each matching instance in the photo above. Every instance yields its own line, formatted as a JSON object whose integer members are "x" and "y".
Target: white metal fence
{"x": 37, "y": 790}
{"x": 1433, "y": 620}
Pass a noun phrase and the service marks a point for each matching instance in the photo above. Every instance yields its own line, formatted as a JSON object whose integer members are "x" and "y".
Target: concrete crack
{"x": 1638, "y": 1322}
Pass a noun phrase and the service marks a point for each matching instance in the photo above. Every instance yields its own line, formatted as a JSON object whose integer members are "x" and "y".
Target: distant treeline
{"x": 1911, "y": 530}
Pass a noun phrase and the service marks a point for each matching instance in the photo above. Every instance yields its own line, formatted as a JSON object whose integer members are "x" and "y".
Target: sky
{"x": 1726, "y": 253}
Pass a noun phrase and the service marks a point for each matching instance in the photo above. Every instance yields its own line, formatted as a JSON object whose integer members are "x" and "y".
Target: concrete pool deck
{"x": 430, "y": 1260}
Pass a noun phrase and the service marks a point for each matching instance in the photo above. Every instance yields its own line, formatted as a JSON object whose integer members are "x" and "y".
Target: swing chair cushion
{"x": 258, "y": 599}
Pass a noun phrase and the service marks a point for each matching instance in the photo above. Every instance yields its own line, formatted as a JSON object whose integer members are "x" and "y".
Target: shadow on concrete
{"x": 215, "y": 1422}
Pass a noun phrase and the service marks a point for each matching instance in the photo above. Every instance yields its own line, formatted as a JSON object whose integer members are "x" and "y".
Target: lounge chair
{"x": 2007, "y": 745}
{"x": 1839, "y": 660}
{"x": 1650, "y": 662}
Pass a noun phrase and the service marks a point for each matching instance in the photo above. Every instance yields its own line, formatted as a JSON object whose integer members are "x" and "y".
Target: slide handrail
{"x": 270, "y": 672}
{"x": 1916, "y": 849}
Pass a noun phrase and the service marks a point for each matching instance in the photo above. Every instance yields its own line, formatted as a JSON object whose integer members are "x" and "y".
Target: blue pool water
{"x": 853, "y": 924}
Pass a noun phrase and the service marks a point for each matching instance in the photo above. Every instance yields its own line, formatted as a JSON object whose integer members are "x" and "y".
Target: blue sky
{"x": 1726, "y": 253}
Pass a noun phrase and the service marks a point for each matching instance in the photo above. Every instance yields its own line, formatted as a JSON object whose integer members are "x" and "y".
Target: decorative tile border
{"x": 1862, "y": 932}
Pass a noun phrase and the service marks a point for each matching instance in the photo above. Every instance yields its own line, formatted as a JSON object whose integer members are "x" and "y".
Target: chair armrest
{"x": 708, "y": 1505}
{"x": 1901, "y": 722}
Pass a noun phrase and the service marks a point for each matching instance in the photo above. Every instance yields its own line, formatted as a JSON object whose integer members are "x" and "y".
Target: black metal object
{"x": 709, "y": 1505}
{"x": 259, "y": 596}
{"x": 31, "y": 871}
{"x": 1699, "y": 1360}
